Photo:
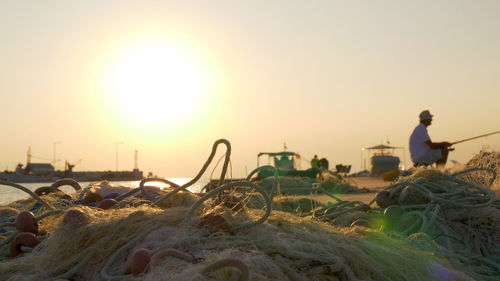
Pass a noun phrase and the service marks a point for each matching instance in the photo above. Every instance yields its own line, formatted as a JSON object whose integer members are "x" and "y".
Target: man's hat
{"x": 425, "y": 115}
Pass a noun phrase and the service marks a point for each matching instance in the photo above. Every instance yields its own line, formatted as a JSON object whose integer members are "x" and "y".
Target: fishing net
{"x": 446, "y": 215}
{"x": 440, "y": 227}
{"x": 489, "y": 160}
{"x": 286, "y": 247}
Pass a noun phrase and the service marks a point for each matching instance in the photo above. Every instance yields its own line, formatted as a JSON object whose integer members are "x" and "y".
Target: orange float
{"x": 91, "y": 197}
{"x": 75, "y": 217}
{"x": 139, "y": 261}
{"x": 383, "y": 200}
{"x": 26, "y": 222}
{"x": 107, "y": 203}
{"x": 27, "y": 239}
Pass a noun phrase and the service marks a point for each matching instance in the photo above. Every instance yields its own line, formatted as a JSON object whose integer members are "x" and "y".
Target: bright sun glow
{"x": 156, "y": 83}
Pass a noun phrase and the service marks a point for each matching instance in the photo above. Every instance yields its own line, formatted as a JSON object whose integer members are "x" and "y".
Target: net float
{"x": 27, "y": 239}
{"x": 383, "y": 200}
{"x": 26, "y": 222}
{"x": 139, "y": 261}
{"x": 75, "y": 217}
{"x": 91, "y": 197}
{"x": 107, "y": 203}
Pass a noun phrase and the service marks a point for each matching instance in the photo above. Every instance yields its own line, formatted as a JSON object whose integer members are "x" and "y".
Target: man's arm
{"x": 436, "y": 145}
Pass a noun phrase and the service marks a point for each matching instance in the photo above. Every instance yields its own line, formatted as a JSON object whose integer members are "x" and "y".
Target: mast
{"x": 136, "y": 166}
{"x": 28, "y": 155}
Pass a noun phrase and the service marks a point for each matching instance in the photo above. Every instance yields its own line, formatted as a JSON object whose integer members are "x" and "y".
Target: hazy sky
{"x": 168, "y": 78}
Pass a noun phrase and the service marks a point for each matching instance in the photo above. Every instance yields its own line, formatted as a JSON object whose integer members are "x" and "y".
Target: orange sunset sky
{"x": 92, "y": 80}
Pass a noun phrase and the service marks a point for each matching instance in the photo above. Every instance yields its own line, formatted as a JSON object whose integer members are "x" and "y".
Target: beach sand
{"x": 374, "y": 184}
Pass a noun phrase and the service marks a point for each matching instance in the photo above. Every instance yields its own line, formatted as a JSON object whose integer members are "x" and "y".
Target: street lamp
{"x": 361, "y": 159}
{"x": 54, "y": 155}
{"x": 116, "y": 159}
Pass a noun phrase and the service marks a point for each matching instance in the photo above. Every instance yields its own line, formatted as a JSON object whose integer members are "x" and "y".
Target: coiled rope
{"x": 36, "y": 197}
{"x": 143, "y": 190}
{"x": 76, "y": 269}
{"x": 442, "y": 205}
{"x": 105, "y": 275}
{"x": 204, "y": 168}
{"x": 229, "y": 186}
{"x": 275, "y": 190}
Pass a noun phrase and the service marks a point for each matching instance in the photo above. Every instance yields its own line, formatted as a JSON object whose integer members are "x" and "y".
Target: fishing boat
{"x": 383, "y": 159}
{"x": 287, "y": 163}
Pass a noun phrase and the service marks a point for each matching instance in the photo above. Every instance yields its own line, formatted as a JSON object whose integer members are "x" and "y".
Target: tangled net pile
{"x": 434, "y": 212}
{"x": 484, "y": 159}
{"x": 237, "y": 232}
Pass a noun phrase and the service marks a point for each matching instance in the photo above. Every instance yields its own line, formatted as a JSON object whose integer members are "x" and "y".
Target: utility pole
{"x": 116, "y": 158}
{"x": 136, "y": 166}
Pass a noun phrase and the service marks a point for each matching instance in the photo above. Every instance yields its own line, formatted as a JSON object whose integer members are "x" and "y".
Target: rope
{"x": 78, "y": 268}
{"x": 339, "y": 209}
{"x": 241, "y": 266}
{"x": 18, "y": 186}
{"x": 48, "y": 214}
{"x": 229, "y": 186}
{"x": 215, "y": 167}
{"x": 58, "y": 183}
{"x": 170, "y": 252}
{"x": 44, "y": 190}
{"x": 291, "y": 274}
{"x": 104, "y": 271}
{"x": 67, "y": 181}
{"x": 331, "y": 194}
{"x": 204, "y": 168}
{"x": 8, "y": 239}
{"x": 143, "y": 189}
{"x": 7, "y": 223}
{"x": 83, "y": 193}
{"x": 467, "y": 171}
{"x": 443, "y": 193}
{"x": 275, "y": 190}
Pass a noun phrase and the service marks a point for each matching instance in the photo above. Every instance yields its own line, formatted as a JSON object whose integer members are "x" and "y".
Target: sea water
{"x": 9, "y": 193}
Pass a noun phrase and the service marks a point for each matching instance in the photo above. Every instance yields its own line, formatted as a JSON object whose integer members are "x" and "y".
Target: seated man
{"x": 423, "y": 151}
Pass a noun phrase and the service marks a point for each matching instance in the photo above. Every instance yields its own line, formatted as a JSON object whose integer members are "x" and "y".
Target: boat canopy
{"x": 383, "y": 153}
{"x": 284, "y": 160}
{"x": 382, "y": 146}
{"x": 283, "y": 153}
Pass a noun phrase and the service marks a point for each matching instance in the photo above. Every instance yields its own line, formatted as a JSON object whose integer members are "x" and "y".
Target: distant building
{"x": 39, "y": 169}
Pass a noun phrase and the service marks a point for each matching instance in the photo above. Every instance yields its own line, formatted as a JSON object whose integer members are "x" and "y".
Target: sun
{"x": 155, "y": 83}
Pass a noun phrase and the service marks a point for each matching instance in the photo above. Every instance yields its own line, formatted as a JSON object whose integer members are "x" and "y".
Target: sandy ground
{"x": 374, "y": 184}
